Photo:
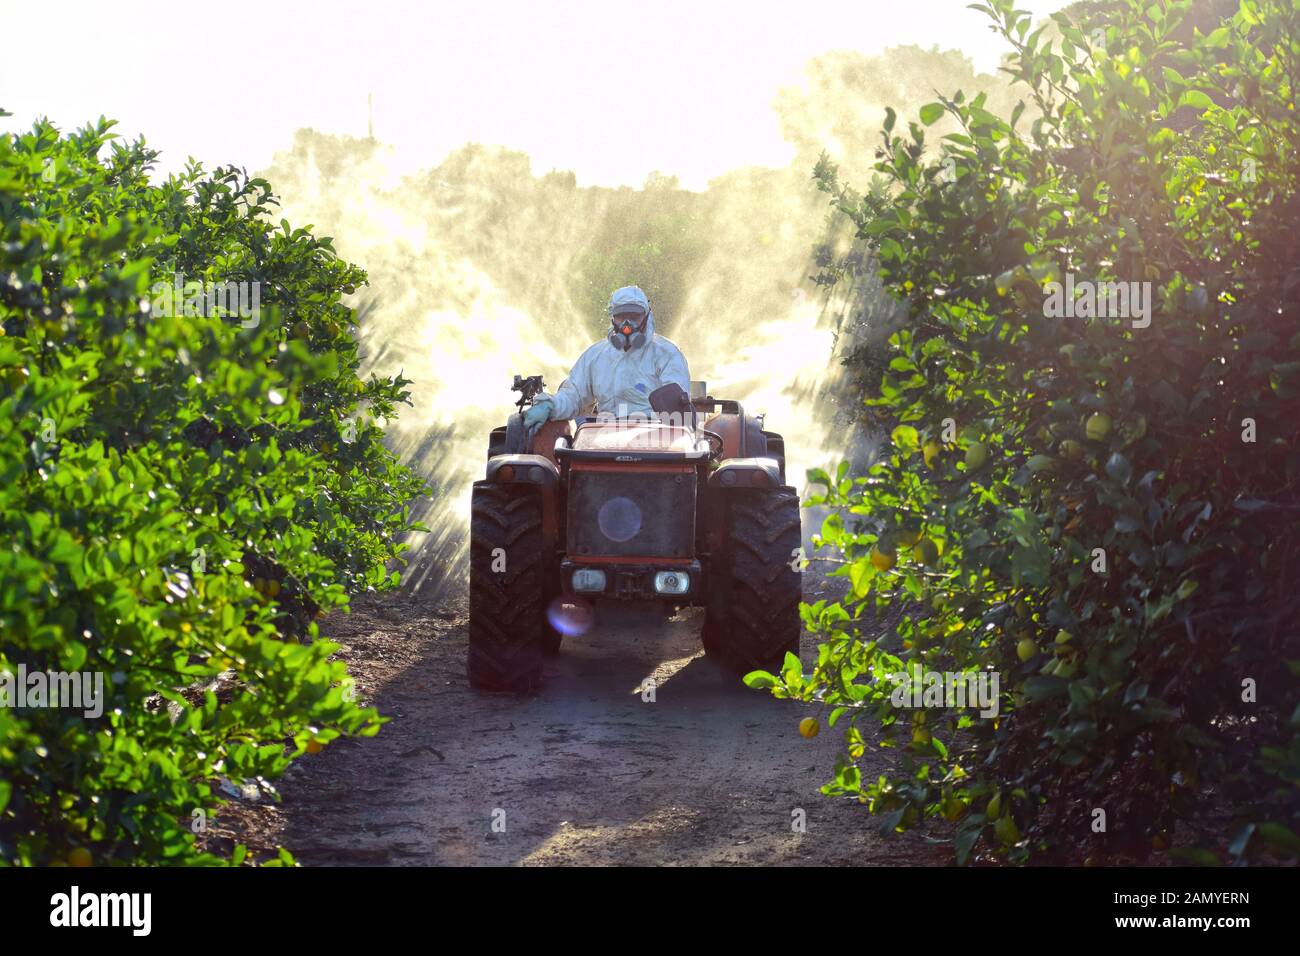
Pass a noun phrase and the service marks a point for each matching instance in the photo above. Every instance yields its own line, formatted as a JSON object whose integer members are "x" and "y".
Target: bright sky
{"x": 608, "y": 89}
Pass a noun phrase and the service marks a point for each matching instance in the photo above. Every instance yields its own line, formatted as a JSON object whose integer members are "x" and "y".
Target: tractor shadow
{"x": 626, "y": 773}
{"x": 592, "y": 769}
{"x": 629, "y": 646}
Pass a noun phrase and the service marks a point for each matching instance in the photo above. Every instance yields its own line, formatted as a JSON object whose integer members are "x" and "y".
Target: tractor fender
{"x": 523, "y": 469}
{"x": 746, "y": 473}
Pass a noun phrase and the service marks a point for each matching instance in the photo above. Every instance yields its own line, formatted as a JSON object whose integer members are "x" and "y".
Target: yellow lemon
{"x": 808, "y": 727}
{"x": 1098, "y": 426}
{"x": 953, "y": 809}
{"x": 926, "y": 551}
{"x": 977, "y": 453}
{"x": 994, "y": 809}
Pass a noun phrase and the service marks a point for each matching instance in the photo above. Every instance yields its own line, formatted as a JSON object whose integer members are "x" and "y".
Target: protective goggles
{"x": 629, "y": 323}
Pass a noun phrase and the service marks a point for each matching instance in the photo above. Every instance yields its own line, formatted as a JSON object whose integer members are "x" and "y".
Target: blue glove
{"x": 538, "y": 414}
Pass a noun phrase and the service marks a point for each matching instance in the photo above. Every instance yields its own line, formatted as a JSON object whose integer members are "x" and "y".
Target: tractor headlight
{"x": 672, "y": 582}
{"x": 588, "y": 580}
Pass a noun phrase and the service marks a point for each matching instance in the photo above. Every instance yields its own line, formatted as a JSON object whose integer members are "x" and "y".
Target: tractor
{"x": 687, "y": 506}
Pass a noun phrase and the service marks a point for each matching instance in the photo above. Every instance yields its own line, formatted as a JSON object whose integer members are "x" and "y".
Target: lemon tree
{"x": 1110, "y": 505}
{"x": 184, "y": 491}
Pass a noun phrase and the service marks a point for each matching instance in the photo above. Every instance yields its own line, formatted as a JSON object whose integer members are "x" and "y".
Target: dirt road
{"x": 586, "y": 772}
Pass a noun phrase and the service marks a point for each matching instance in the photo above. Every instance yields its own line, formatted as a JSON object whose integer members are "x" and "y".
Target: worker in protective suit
{"x": 619, "y": 372}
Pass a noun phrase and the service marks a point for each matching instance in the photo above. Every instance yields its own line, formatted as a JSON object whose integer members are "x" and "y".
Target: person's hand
{"x": 537, "y": 414}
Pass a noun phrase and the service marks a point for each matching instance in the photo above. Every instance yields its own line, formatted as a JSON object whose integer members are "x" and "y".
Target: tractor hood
{"x": 635, "y": 440}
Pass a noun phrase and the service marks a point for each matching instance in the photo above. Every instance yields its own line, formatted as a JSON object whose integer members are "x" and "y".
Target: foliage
{"x": 1105, "y": 537}
{"x": 651, "y": 238}
{"x": 184, "y": 490}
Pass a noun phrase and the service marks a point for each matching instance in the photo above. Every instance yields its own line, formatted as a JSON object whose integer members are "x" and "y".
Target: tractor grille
{"x": 620, "y": 513}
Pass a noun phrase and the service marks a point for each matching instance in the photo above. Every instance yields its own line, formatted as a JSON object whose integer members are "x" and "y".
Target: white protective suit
{"x": 621, "y": 382}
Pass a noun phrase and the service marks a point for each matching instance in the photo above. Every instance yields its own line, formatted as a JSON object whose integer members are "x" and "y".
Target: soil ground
{"x": 585, "y": 772}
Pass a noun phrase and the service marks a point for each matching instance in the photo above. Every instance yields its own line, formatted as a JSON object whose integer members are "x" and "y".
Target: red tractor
{"x": 688, "y": 506}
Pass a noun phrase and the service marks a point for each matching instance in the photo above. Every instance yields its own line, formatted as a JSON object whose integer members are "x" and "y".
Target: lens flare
{"x": 571, "y": 615}
{"x": 619, "y": 519}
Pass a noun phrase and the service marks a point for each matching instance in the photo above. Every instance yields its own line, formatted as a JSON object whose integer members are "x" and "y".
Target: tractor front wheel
{"x": 751, "y": 619}
{"x": 509, "y": 573}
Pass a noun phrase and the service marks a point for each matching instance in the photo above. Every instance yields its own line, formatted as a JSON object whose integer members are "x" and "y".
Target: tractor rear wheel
{"x": 509, "y": 572}
{"x": 751, "y": 619}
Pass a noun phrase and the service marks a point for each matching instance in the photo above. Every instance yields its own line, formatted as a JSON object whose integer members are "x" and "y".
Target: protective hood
{"x": 632, "y": 303}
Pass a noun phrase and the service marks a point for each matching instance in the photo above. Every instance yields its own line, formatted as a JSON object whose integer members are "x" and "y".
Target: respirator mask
{"x": 628, "y": 330}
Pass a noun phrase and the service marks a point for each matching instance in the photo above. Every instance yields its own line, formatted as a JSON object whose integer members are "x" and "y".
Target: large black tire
{"x": 551, "y": 638}
{"x": 751, "y": 619}
{"x": 508, "y": 630}
{"x": 516, "y": 441}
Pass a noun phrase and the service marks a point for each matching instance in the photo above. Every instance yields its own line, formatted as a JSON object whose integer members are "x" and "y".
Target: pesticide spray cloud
{"x": 480, "y": 269}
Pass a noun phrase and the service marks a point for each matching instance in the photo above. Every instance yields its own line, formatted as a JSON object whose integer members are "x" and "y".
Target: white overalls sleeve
{"x": 674, "y": 368}
{"x": 574, "y": 391}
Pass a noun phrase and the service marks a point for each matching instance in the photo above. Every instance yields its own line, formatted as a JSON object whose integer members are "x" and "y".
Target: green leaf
{"x": 1196, "y": 99}
{"x": 1042, "y": 688}
{"x": 931, "y": 112}
{"x": 860, "y": 573}
{"x": 1118, "y": 468}
{"x": 1194, "y": 855}
{"x": 1279, "y": 837}
{"x": 906, "y": 438}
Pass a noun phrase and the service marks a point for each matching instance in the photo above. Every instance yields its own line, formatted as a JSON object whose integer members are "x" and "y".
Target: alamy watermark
{"x": 75, "y": 908}
{"x": 1086, "y": 299}
{"x": 208, "y": 299}
{"x": 961, "y": 689}
{"x": 77, "y": 690}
